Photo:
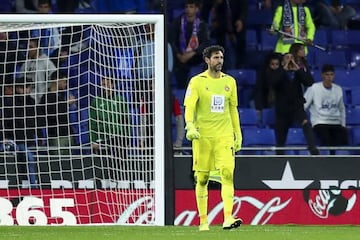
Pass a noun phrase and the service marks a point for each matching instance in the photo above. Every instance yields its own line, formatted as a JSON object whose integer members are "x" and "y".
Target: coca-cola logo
{"x": 325, "y": 202}
{"x": 265, "y": 213}
{"x": 140, "y": 211}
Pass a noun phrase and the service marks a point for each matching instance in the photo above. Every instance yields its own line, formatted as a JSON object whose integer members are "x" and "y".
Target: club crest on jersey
{"x": 227, "y": 88}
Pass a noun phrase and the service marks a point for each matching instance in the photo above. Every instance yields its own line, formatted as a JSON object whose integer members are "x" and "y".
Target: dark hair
{"x": 273, "y": 56}
{"x": 196, "y": 2}
{"x": 58, "y": 75}
{"x": 294, "y": 49}
{"x": 36, "y": 40}
{"x": 21, "y": 82}
{"x": 212, "y": 49}
{"x": 327, "y": 68}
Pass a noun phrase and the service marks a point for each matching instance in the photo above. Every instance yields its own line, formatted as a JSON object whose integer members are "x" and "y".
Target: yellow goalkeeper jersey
{"x": 211, "y": 99}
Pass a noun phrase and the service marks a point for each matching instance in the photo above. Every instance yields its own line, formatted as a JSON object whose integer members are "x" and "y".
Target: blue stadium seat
{"x": 259, "y": 18}
{"x": 348, "y": 79}
{"x": 248, "y": 117}
{"x": 244, "y": 77}
{"x": 322, "y": 38}
{"x": 267, "y": 41}
{"x": 354, "y": 59}
{"x": 316, "y": 73}
{"x": 355, "y": 139}
{"x": 336, "y": 58}
{"x": 295, "y": 137}
{"x": 268, "y": 117}
{"x": 311, "y": 57}
{"x": 306, "y": 152}
{"x": 252, "y": 42}
{"x": 353, "y": 117}
{"x": 342, "y": 152}
{"x": 176, "y": 12}
{"x": 258, "y": 137}
{"x": 355, "y": 96}
{"x": 355, "y": 136}
{"x": 345, "y": 38}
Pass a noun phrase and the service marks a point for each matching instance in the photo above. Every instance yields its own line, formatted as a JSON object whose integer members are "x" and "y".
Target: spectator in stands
{"x": 50, "y": 38}
{"x": 20, "y": 124}
{"x": 288, "y": 82}
{"x": 334, "y": 14}
{"x": 26, "y": 6}
{"x": 327, "y": 110}
{"x": 55, "y": 109}
{"x": 110, "y": 125}
{"x": 294, "y": 19}
{"x": 146, "y": 54}
{"x": 37, "y": 68}
{"x": 264, "y": 93}
{"x": 298, "y": 51}
{"x": 7, "y": 56}
{"x": 227, "y": 21}
{"x": 188, "y": 38}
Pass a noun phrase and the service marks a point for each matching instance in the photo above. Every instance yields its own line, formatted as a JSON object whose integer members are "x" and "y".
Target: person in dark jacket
{"x": 19, "y": 124}
{"x": 55, "y": 105}
{"x": 263, "y": 92}
{"x": 188, "y": 38}
{"x": 288, "y": 82}
{"x": 227, "y": 23}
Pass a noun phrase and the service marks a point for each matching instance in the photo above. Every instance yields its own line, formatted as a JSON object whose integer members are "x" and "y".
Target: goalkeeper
{"x": 213, "y": 126}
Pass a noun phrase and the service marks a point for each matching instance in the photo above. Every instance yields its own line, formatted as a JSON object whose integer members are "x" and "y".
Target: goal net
{"x": 79, "y": 143}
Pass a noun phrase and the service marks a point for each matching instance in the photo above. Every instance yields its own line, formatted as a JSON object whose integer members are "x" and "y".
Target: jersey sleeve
{"x": 234, "y": 114}
{"x": 191, "y": 98}
{"x": 234, "y": 96}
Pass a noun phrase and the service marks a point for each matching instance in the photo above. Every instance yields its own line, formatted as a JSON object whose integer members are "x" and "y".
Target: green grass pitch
{"x": 246, "y": 232}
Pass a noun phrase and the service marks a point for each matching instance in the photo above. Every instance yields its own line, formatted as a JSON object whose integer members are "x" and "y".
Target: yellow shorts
{"x": 211, "y": 153}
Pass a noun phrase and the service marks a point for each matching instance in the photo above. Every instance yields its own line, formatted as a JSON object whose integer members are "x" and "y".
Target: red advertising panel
{"x": 258, "y": 207}
{"x": 71, "y": 207}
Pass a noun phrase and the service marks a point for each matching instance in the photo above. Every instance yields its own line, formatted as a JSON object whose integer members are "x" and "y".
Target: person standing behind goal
{"x": 109, "y": 127}
{"x": 213, "y": 126}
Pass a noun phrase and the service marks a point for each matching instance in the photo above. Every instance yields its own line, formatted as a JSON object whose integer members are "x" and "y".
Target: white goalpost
{"x": 82, "y": 119}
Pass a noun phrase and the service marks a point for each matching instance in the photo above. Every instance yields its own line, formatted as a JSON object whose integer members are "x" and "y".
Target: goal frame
{"x": 158, "y": 21}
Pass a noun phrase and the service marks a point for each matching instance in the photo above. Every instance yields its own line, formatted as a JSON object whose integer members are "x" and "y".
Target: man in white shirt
{"x": 37, "y": 69}
{"x": 327, "y": 110}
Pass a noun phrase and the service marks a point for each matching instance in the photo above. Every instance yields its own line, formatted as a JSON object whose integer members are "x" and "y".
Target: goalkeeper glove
{"x": 192, "y": 133}
{"x": 237, "y": 142}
